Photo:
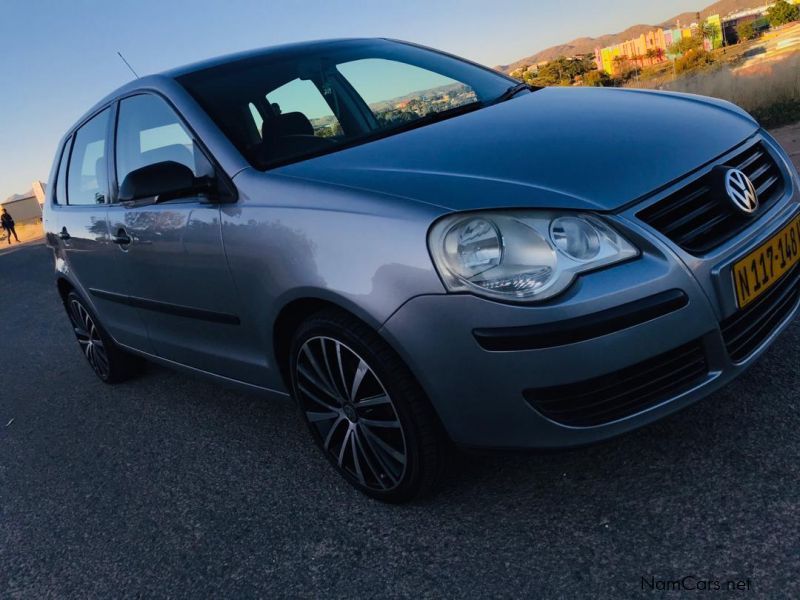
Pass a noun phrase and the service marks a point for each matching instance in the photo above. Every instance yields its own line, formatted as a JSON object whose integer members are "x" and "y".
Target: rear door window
{"x": 87, "y": 177}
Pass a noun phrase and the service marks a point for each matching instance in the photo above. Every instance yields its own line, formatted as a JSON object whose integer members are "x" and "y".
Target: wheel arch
{"x": 64, "y": 287}
{"x": 294, "y": 312}
{"x": 291, "y": 316}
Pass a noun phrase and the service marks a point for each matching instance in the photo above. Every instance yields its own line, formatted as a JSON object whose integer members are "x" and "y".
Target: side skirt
{"x": 226, "y": 381}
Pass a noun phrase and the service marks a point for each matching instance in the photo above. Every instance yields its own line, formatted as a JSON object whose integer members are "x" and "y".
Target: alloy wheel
{"x": 88, "y": 336}
{"x": 351, "y": 413}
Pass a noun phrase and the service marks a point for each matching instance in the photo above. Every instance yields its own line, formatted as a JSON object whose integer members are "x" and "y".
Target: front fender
{"x": 288, "y": 239}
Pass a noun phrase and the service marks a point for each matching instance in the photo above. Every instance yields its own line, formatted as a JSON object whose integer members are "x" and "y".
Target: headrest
{"x": 174, "y": 152}
{"x": 293, "y": 123}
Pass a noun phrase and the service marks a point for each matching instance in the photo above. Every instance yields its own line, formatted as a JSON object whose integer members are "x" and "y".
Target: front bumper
{"x": 486, "y": 394}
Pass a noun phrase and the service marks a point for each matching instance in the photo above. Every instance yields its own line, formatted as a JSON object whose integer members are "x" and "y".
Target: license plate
{"x": 764, "y": 266}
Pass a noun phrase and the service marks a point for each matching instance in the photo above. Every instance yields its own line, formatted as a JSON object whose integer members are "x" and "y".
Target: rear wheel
{"x": 109, "y": 362}
{"x": 364, "y": 408}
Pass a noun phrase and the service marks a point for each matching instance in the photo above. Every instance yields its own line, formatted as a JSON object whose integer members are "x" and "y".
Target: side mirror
{"x": 162, "y": 181}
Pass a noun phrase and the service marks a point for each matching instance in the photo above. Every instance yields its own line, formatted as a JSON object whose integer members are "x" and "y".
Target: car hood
{"x": 580, "y": 148}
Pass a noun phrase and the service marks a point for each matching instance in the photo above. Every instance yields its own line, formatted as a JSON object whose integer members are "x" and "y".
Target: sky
{"x": 59, "y": 57}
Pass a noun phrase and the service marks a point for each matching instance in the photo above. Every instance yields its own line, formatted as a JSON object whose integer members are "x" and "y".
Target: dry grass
{"x": 770, "y": 91}
{"x": 26, "y": 232}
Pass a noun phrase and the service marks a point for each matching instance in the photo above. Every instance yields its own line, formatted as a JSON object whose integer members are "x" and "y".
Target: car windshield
{"x": 289, "y": 105}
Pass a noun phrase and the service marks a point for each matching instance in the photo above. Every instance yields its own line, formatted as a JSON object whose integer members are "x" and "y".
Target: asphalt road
{"x": 170, "y": 486}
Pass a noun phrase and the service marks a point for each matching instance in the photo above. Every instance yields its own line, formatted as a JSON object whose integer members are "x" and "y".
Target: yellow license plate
{"x": 762, "y": 268}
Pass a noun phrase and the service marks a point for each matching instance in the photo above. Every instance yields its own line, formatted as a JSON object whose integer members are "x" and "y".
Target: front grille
{"x": 746, "y": 330}
{"x": 699, "y": 217}
{"x": 622, "y": 393}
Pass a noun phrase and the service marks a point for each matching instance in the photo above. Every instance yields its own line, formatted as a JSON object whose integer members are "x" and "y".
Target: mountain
{"x": 586, "y": 45}
{"x": 723, "y": 7}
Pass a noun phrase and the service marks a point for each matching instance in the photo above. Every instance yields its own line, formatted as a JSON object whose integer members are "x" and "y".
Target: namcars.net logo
{"x": 693, "y": 583}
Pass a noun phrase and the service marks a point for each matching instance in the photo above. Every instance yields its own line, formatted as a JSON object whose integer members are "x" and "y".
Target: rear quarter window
{"x": 60, "y": 194}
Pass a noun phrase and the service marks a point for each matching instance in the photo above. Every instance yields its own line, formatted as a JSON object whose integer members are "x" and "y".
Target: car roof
{"x": 280, "y": 50}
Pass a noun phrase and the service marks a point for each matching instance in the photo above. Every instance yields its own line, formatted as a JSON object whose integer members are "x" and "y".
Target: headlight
{"x": 522, "y": 255}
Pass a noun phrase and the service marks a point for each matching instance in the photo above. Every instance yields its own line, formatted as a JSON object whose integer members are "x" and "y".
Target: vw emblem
{"x": 741, "y": 191}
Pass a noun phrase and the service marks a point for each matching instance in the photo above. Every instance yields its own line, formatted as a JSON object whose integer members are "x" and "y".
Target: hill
{"x": 586, "y": 45}
{"x": 722, "y": 7}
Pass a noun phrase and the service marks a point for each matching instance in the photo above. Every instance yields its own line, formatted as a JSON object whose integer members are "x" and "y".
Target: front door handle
{"x": 64, "y": 234}
{"x": 122, "y": 238}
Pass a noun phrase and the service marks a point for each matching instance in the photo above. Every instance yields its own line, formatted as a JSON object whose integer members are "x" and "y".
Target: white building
{"x": 26, "y": 208}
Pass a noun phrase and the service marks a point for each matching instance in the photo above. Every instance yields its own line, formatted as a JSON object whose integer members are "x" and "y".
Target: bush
{"x": 761, "y": 24}
{"x": 693, "y": 60}
{"x": 782, "y": 12}
{"x": 597, "y": 79}
{"x": 746, "y": 31}
{"x": 780, "y": 113}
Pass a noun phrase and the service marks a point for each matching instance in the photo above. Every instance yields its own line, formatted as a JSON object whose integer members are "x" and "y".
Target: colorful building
{"x": 653, "y": 47}
{"x": 714, "y": 23}
{"x": 648, "y": 49}
{"x": 660, "y": 41}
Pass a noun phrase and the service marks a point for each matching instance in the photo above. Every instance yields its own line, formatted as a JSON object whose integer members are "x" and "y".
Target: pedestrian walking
{"x": 8, "y": 225}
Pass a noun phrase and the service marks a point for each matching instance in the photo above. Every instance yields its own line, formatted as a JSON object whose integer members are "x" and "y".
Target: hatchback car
{"x": 422, "y": 251}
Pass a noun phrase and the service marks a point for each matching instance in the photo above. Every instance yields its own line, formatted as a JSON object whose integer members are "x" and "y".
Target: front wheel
{"x": 364, "y": 408}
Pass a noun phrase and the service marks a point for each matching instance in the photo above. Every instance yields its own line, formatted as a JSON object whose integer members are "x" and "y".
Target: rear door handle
{"x": 122, "y": 238}
{"x": 64, "y": 235}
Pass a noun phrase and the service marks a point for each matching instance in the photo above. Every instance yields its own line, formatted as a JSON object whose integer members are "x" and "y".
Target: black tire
{"x": 108, "y": 361}
{"x": 361, "y": 414}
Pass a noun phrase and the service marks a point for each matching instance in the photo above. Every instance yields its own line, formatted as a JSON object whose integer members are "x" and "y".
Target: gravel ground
{"x": 170, "y": 486}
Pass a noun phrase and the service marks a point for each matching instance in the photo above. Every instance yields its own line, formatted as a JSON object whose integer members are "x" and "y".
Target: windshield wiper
{"x": 513, "y": 91}
{"x": 430, "y": 118}
{"x": 442, "y": 115}
{"x": 433, "y": 117}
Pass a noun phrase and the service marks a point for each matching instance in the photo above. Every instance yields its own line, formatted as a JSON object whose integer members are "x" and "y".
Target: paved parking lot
{"x": 170, "y": 486}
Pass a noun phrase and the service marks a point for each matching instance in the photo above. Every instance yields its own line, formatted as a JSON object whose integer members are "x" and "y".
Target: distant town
{"x": 405, "y": 108}
{"x": 652, "y": 59}
{"x": 686, "y": 46}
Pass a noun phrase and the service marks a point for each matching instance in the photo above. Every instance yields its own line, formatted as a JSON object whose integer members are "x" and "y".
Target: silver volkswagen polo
{"x": 421, "y": 251}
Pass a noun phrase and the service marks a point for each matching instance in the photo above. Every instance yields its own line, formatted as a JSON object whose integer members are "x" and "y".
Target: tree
{"x": 712, "y": 32}
{"x": 562, "y": 71}
{"x": 746, "y": 31}
{"x": 782, "y": 12}
{"x": 519, "y": 73}
{"x": 685, "y": 45}
{"x": 620, "y": 64}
